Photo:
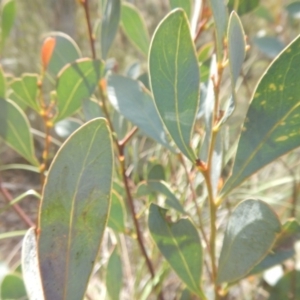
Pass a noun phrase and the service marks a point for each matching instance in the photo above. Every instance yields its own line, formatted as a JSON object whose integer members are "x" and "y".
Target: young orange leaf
{"x": 47, "y": 50}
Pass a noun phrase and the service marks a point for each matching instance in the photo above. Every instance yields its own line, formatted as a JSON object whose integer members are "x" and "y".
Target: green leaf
{"x": 133, "y": 70}
{"x": 277, "y": 257}
{"x": 186, "y": 295}
{"x": 74, "y": 211}
{"x": 156, "y": 172}
{"x": 15, "y": 130}
{"x": 265, "y": 13}
{"x": 65, "y": 128}
{"x": 24, "y": 167}
{"x": 207, "y": 108}
{"x": 30, "y": 267}
{"x": 114, "y": 275}
{"x": 236, "y": 56}
{"x": 161, "y": 272}
{"x": 91, "y": 109}
{"x": 269, "y": 45}
{"x": 244, "y": 6}
{"x": 12, "y": 234}
{"x": 119, "y": 188}
{"x": 174, "y": 76}
{"x": 145, "y": 188}
{"x": 289, "y": 234}
{"x": 136, "y": 104}
{"x": 120, "y": 124}
{"x": 162, "y": 187}
{"x": 117, "y": 214}
{"x": 283, "y": 248}
{"x": 186, "y": 5}
{"x": 12, "y": 287}
{"x": 180, "y": 244}
{"x": 204, "y": 71}
{"x": 20, "y": 198}
{"x": 65, "y": 51}
{"x": 25, "y": 91}
{"x": 134, "y": 27}
{"x": 293, "y": 9}
{"x": 217, "y": 162}
{"x": 236, "y": 47}
{"x": 205, "y": 52}
{"x": 229, "y": 109}
{"x": 2, "y": 83}
{"x": 250, "y": 234}
{"x": 109, "y": 25}
{"x": 142, "y": 189}
{"x": 76, "y": 82}
{"x": 271, "y": 126}
{"x": 220, "y": 17}
{"x": 8, "y": 13}
{"x": 144, "y": 79}
{"x": 287, "y": 287}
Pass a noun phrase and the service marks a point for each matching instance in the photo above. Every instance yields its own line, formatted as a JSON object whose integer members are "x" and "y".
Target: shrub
{"x": 150, "y": 160}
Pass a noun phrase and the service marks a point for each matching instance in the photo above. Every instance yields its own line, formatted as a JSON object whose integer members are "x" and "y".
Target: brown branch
{"x": 200, "y": 29}
{"x": 105, "y": 111}
{"x": 132, "y": 210}
{"x": 128, "y": 136}
{"x": 133, "y": 214}
{"x": 85, "y": 4}
{"x": 120, "y": 147}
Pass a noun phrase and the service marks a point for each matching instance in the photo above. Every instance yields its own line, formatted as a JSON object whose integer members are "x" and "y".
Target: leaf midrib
{"x": 27, "y": 94}
{"x": 72, "y": 211}
{"x": 176, "y": 91}
{"x": 183, "y": 260}
{"x": 233, "y": 241}
{"x": 259, "y": 146}
{"x": 67, "y": 103}
{"x": 144, "y": 38}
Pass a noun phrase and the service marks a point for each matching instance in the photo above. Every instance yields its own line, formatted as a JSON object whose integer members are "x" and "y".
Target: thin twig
{"x": 133, "y": 214}
{"x": 194, "y": 198}
{"x": 105, "y": 111}
{"x": 85, "y": 4}
{"x": 120, "y": 147}
{"x": 128, "y": 136}
{"x": 8, "y": 197}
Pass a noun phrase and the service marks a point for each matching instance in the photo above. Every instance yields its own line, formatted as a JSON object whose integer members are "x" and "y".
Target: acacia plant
{"x": 147, "y": 163}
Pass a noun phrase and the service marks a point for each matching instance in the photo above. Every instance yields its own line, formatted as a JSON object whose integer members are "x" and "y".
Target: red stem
{"x": 8, "y": 197}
